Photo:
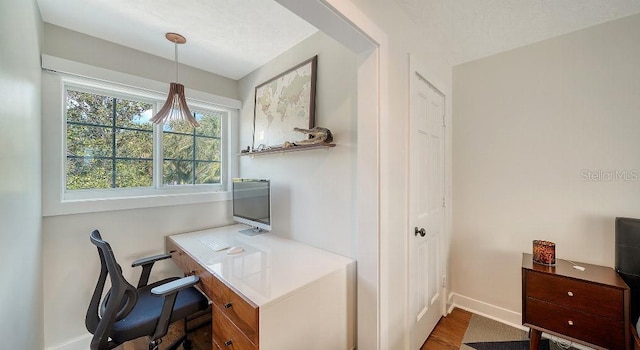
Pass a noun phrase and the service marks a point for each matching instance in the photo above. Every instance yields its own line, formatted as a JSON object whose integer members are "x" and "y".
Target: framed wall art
{"x": 283, "y": 103}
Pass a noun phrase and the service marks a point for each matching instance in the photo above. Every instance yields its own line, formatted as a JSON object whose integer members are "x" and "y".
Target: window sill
{"x": 82, "y": 206}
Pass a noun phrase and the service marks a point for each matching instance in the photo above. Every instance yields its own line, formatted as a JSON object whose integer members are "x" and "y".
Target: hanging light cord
{"x": 175, "y": 44}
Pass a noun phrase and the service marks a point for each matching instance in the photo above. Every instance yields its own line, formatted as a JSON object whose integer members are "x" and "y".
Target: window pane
{"x": 88, "y": 173}
{"x": 177, "y": 172}
{"x": 177, "y": 146}
{"x": 88, "y": 141}
{"x": 134, "y": 144}
{"x": 207, "y": 173}
{"x": 209, "y": 123}
{"x": 89, "y": 108}
{"x": 179, "y": 126}
{"x": 133, "y": 114}
{"x": 207, "y": 149}
{"x": 90, "y": 154}
{"x": 134, "y": 173}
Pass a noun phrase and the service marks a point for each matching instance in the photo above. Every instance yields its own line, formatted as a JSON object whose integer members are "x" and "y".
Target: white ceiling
{"x": 472, "y": 29}
{"x": 234, "y": 37}
{"x": 227, "y": 37}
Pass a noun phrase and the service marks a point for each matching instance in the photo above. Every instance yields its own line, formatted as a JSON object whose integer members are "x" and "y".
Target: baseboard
{"x": 78, "y": 343}
{"x": 487, "y": 310}
{"x": 496, "y": 313}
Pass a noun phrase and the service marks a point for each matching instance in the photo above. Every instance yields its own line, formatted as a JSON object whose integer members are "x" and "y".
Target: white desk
{"x": 277, "y": 294}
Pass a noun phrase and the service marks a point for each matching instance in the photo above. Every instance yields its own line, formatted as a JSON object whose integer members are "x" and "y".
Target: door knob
{"x": 420, "y": 232}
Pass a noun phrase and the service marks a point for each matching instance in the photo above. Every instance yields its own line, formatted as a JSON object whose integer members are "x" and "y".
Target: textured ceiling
{"x": 234, "y": 37}
{"x": 472, "y": 29}
{"x": 226, "y": 37}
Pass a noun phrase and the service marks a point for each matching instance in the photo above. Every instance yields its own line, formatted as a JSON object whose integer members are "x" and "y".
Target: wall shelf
{"x": 289, "y": 149}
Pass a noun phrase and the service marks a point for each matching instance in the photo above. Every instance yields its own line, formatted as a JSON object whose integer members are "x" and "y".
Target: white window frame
{"x": 60, "y": 74}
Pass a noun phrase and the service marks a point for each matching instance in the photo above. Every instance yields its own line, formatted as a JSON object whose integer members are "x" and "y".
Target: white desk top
{"x": 269, "y": 268}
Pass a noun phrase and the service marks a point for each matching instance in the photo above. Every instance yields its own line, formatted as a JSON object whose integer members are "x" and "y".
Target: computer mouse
{"x": 235, "y": 250}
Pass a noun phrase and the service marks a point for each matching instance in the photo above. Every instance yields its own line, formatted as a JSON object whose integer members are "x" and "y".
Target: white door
{"x": 426, "y": 205}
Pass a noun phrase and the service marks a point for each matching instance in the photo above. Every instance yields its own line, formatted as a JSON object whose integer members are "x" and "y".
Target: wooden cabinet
{"x": 276, "y": 295}
{"x": 235, "y": 321}
{"x": 590, "y": 307}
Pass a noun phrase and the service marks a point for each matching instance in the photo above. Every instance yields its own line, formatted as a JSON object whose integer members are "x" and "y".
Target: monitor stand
{"x": 252, "y": 231}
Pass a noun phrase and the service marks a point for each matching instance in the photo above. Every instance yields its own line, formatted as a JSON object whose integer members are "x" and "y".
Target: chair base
{"x": 184, "y": 339}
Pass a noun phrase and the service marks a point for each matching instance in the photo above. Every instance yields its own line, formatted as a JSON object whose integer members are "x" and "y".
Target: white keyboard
{"x": 215, "y": 244}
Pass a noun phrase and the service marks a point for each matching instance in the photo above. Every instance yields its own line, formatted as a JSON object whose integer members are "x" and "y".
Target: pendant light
{"x": 176, "y": 106}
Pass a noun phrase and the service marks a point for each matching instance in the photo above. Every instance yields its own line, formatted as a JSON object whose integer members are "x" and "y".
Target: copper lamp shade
{"x": 175, "y": 108}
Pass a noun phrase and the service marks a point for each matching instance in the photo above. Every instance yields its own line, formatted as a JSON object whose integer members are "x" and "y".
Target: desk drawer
{"x": 226, "y": 335}
{"x": 239, "y": 311}
{"x": 580, "y": 295}
{"x": 579, "y": 325}
{"x": 190, "y": 267}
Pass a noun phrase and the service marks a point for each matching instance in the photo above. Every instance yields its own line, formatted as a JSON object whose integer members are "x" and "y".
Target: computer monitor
{"x": 252, "y": 204}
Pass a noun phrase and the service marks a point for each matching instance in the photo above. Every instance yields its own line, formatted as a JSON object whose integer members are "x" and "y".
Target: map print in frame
{"x": 283, "y": 103}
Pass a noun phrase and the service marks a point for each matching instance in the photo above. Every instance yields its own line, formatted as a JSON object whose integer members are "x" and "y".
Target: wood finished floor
{"x": 449, "y": 331}
{"x": 447, "y": 335}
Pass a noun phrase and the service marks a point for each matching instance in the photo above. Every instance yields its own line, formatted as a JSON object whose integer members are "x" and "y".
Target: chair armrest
{"x": 175, "y": 286}
{"x": 170, "y": 291}
{"x": 147, "y": 264}
{"x": 150, "y": 260}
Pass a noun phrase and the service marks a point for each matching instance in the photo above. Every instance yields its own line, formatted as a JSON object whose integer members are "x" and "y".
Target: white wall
{"x": 20, "y": 214}
{"x": 79, "y": 47}
{"x": 313, "y": 192}
{"x": 71, "y": 264}
{"x": 528, "y": 123}
{"x": 404, "y": 38}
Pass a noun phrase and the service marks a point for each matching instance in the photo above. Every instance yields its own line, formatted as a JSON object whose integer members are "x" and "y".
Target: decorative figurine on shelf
{"x": 318, "y": 135}
{"x": 246, "y": 150}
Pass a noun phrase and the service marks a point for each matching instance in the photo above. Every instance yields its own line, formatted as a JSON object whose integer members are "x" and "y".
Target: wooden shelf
{"x": 289, "y": 149}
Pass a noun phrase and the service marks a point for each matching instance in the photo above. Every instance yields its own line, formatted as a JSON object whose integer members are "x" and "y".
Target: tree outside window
{"x": 110, "y": 145}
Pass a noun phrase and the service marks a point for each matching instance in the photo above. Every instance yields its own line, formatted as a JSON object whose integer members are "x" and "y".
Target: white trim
{"x": 78, "y": 343}
{"x": 487, "y": 310}
{"x": 60, "y": 73}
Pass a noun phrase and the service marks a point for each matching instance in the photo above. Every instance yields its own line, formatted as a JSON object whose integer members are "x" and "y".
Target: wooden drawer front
{"x": 190, "y": 267}
{"x": 240, "y": 312}
{"x": 227, "y": 336}
{"x": 579, "y": 325}
{"x": 580, "y": 295}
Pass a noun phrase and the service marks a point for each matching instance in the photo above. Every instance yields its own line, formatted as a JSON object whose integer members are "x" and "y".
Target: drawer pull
{"x": 228, "y": 305}
{"x": 570, "y": 294}
{"x": 228, "y": 343}
{"x": 570, "y": 323}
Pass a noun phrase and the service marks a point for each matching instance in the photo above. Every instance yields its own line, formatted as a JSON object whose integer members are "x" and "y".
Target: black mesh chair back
{"x": 127, "y": 312}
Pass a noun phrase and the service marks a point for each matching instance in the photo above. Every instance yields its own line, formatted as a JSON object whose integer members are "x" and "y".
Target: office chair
{"x": 127, "y": 313}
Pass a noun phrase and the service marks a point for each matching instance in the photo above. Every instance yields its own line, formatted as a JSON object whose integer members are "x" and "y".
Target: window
{"x": 110, "y": 144}
{"x": 101, "y": 153}
{"x": 192, "y": 155}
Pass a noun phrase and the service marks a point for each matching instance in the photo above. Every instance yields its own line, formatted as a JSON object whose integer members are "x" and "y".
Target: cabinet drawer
{"x": 226, "y": 335}
{"x": 239, "y": 311}
{"x": 580, "y": 295}
{"x": 579, "y": 325}
{"x": 190, "y": 267}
